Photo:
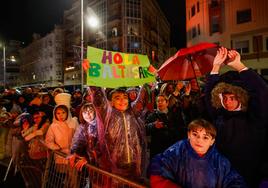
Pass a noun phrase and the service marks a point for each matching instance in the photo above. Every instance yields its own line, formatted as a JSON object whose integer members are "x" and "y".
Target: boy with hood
{"x": 194, "y": 162}
{"x": 237, "y": 104}
{"x": 124, "y": 131}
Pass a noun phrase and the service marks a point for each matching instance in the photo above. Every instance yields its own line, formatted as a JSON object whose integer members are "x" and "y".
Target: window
{"x": 193, "y": 10}
{"x": 257, "y": 43}
{"x": 193, "y": 32}
{"x": 133, "y": 29}
{"x": 135, "y": 45}
{"x": 115, "y": 47}
{"x": 197, "y": 6}
{"x": 267, "y": 43}
{"x": 198, "y": 29}
{"x": 243, "y": 16}
{"x": 215, "y": 25}
{"x": 264, "y": 72}
{"x": 242, "y": 46}
{"x": 214, "y": 3}
{"x": 114, "y": 32}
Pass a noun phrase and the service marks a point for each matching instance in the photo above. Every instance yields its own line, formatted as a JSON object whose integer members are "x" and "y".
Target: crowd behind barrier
{"x": 26, "y": 117}
{"x": 45, "y": 173}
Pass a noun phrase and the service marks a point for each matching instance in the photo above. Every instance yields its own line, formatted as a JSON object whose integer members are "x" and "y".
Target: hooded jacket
{"x": 87, "y": 140}
{"x": 124, "y": 135}
{"x": 240, "y": 133}
{"x": 59, "y": 135}
{"x": 184, "y": 167}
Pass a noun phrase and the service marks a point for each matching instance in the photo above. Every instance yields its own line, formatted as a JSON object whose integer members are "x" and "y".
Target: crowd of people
{"x": 169, "y": 133}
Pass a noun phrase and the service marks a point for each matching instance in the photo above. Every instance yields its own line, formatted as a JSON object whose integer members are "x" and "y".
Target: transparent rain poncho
{"x": 124, "y": 135}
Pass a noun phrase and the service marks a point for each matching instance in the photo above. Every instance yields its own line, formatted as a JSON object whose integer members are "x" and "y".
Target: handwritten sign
{"x": 114, "y": 69}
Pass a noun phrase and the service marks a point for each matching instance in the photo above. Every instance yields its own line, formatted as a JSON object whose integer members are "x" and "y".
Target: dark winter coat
{"x": 161, "y": 138}
{"x": 240, "y": 135}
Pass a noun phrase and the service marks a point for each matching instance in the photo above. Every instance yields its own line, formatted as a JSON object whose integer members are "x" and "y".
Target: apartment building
{"x": 133, "y": 26}
{"x": 235, "y": 24}
{"x": 41, "y": 60}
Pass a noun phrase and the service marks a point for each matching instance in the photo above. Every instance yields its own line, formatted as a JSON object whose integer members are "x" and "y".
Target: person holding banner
{"x": 125, "y": 138}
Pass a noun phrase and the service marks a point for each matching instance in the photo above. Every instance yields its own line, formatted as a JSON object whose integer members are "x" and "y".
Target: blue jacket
{"x": 182, "y": 165}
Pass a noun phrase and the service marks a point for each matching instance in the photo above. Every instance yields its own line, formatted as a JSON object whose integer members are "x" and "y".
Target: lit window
{"x": 114, "y": 32}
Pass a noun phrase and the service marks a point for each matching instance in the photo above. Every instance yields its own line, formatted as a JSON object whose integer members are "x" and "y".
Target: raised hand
{"x": 234, "y": 60}
{"x": 233, "y": 56}
{"x": 220, "y": 56}
{"x": 80, "y": 164}
{"x": 188, "y": 88}
{"x": 159, "y": 124}
{"x": 219, "y": 59}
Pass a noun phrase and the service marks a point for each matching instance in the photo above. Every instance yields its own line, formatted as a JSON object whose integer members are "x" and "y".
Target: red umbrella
{"x": 189, "y": 63}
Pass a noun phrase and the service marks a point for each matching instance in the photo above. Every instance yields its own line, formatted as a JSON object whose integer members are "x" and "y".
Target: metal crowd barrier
{"x": 49, "y": 173}
{"x": 31, "y": 170}
{"x": 63, "y": 176}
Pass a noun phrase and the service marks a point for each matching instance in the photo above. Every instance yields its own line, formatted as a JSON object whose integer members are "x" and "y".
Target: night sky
{"x": 19, "y": 19}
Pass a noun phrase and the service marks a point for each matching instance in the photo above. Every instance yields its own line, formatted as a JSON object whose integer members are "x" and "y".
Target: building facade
{"x": 235, "y": 24}
{"x": 41, "y": 61}
{"x": 10, "y": 70}
{"x": 133, "y": 26}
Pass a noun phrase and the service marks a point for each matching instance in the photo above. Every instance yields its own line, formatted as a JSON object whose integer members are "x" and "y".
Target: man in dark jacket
{"x": 238, "y": 105}
{"x": 164, "y": 125}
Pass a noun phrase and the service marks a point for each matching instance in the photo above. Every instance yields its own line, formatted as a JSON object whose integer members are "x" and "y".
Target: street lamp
{"x": 4, "y": 62}
{"x": 82, "y": 45}
{"x": 93, "y": 22}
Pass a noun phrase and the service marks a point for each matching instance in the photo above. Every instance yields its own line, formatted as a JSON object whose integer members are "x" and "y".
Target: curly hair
{"x": 222, "y": 88}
